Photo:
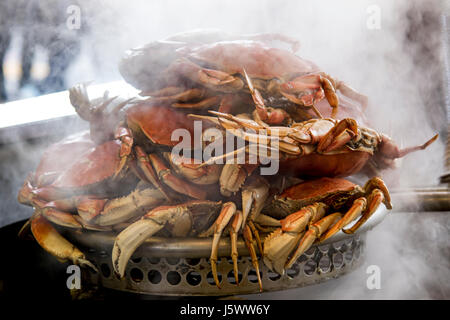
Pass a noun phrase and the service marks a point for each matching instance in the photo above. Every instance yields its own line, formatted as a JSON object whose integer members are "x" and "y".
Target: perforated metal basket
{"x": 178, "y": 267}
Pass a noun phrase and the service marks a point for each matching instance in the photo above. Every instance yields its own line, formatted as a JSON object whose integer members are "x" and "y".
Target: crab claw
{"x": 55, "y": 244}
{"x": 183, "y": 219}
{"x": 233, "y": 176}
{"x": 338, "y": 136}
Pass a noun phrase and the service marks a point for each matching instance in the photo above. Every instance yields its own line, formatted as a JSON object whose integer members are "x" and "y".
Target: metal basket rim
{"x": 195, "y": 247}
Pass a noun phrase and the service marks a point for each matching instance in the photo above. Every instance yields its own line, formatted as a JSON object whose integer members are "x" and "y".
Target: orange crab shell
{"x": 330, "y": 165}
{"x": 258, "y": 60}
{"x": 333, "y": 192}
{"x": 96, "y": 165}
{"x": 157, "y": 123}
{"x": 59, "y": 156}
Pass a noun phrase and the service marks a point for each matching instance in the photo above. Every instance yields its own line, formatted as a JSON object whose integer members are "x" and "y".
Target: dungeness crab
{"x": 123, "y": 175}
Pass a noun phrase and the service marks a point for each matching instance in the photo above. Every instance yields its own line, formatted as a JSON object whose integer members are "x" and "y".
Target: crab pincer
{"x": 50, "y": 239}
{"x": 181, "y": 220}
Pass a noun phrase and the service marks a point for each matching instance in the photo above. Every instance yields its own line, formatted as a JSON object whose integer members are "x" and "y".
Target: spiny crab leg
{"x": 50, "y": 240}
{"x": 280, "y": 243}
{"x": 248, "y": 238}
{"x": 146, "y": 168}
{"x": 376, "y": 192}
{"x": 126, "y": 138}
{"x": 254, "y": 194}
{"x": 172, "y": 181}
{"x": 228, "y": 211}
{"x": 234, "y": 229}
{"x": 359, "y": 205}
{"x": 315, "y": 230}
{"x": 325, "y": 135}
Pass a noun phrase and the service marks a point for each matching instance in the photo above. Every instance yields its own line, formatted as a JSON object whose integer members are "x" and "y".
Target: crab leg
{"x": 263, "y": 114}
{"x": 280, "y": 243}
{"x": 234, "y": 229}
{"x": 330, "y": 94}
{"x": 304, "y": 85}
{"x": 50, "y": 240}
{"x": 390, "y": 150}
{"x": 60, "y": 217}
{"x": 196, "y": 173}
{"x": 377, "y": 183}
{"x": 338, "y": 136}
{"x": 135, "y": 234}
{"x": 373, "y": 201}
{"x": 126, "y": 139}
{"x": 233, "y": 177}
{"x": 253, "y": 197}
{"x": 210, "y": 78}
{"x": 179, "y": 216}
{"x": 118, "y": 210}
{"x": 172, "y": 181}
{"x": 314, "y": 232}
{"x": 228, "y": 211}
{"x": 359, "y": 205}
{"x": 143, "y": 163}
{"x": 378, "y": 193}
{"x": 348, "y": 91}
{"x": 172, "y": 94}
{"x": 248, "y": 238}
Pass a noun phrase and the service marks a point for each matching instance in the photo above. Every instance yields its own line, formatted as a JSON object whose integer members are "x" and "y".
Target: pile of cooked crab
{"x": 122, "y": 175}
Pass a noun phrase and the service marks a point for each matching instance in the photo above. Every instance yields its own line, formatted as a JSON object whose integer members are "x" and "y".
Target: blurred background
{"x": 395, "y": 52}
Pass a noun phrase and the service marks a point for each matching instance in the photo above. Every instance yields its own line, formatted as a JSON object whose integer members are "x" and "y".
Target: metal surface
{"x": 50, "y": 114}
{"x": 424, "y": 199}
{"x": 445, "y": 178}
{"x": 180, "y": 266}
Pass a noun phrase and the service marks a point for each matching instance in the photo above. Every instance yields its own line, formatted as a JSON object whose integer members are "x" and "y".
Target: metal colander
{"x": 181, "y": 267}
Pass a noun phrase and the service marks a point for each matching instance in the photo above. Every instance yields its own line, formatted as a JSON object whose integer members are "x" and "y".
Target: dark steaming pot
{"x": 28, "y": 273}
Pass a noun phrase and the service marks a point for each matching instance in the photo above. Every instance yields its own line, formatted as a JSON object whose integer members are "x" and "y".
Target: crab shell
{"x": 330, "y": 165}
{"x": 77, "y": 166}
{"x": 143, "y": 66}
{"x": 155, "y": 124}
{"x": 259, "y": 60}
{"x": 156, "y": 65}
{"x": 60, "y": 156}
{"x": 334, "y": 192}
